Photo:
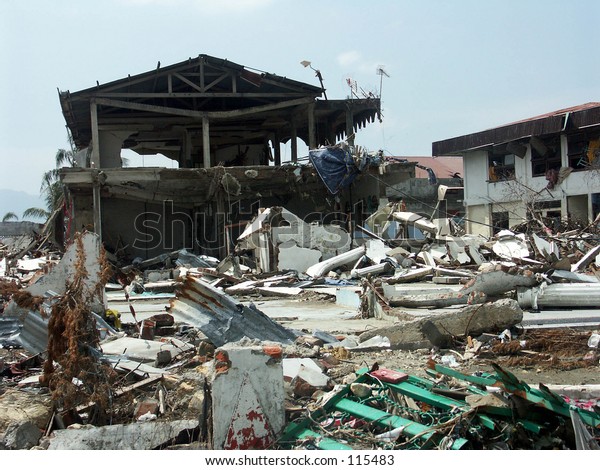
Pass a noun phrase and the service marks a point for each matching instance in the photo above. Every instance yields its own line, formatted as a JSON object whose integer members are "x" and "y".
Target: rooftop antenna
{"x": 381, "y": 72}
{"x": 353, "y": 87}
{"x": 307, "y": 63}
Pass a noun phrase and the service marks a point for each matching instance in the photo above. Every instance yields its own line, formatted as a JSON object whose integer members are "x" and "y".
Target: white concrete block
{"x": 295, "y": 258}
{"x": 247, "y": 398}
{"x": 292, "y": 365}
{"x": 376, "y": 250}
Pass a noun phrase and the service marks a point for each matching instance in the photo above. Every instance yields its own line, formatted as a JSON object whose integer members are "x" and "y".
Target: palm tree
{"x": 52, "y": 188}
{"x": 36, "y": 213}
{"x": 10, "y": 216}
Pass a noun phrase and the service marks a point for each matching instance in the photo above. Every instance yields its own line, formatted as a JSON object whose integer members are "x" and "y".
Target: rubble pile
{"x": 391, "y": 410}
{"x": 178, "y": 350}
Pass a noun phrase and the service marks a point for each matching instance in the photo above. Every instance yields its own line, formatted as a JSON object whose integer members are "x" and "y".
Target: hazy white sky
{"x": 455, "y": 67}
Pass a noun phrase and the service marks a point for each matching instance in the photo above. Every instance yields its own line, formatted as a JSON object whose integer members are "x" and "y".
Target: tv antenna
{"x": 353, "y": 87}
{"x": 381, "y": 72}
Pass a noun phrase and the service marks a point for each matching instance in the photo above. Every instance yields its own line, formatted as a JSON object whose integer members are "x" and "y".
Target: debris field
{"x": 291, "y": 342}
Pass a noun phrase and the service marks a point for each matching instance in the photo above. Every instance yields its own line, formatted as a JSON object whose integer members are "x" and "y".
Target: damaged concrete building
{"x": 240, "y": 301}
{"x": 543, "y": 167}
{"x": 224, "y": 125}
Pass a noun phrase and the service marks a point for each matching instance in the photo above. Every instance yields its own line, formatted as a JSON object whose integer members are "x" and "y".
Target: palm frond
{"x": 10, "y": 216}
{"x": 36, "y": 213}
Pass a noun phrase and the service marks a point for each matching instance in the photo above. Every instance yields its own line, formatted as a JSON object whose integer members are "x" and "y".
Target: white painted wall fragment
{"x": 247, "y": 398}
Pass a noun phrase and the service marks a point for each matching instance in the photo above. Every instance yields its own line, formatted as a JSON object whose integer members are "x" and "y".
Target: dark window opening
{"x": 549, "y": 212}
{"x": 584, "y": 151}
{"x": 545, "y": 155}
{"x": 500, "y": 221}
{"x": 501, "y": 165}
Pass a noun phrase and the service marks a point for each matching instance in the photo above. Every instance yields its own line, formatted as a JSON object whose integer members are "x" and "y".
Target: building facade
{"x": 543, "y": 170}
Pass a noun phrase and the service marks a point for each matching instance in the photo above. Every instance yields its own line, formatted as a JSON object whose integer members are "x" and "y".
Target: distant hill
{"x": 18, "y": 202}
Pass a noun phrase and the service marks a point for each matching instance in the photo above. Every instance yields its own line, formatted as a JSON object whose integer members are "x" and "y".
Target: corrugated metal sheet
{"x": 221, "y": 318}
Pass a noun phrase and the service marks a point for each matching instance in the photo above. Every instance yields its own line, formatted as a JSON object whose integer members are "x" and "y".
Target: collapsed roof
{"x": 162, "y": 110}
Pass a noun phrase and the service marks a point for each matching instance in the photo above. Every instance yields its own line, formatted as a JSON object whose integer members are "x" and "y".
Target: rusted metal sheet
{"x": 221, "y": 318}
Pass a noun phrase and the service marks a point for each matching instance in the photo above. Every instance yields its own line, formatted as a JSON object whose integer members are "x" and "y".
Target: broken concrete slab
{"x": 24, "y": 405}
{"x": 65, "y": 269}
{"x": 348, "y": 297}
{"x": 410, "y": 275}
{"x": 280, "y": 291}
{"x": 376, "y": 250}
{"x": 143, "y": 350}
{"x": 291, "y": 366}
{"x": 221, "y": 318}
{"x": 548, "y": 250}
{"x": 420, "y": 222}
{"x": 247, "y": 398}
{"x": 22, "y": 436}
{"x": 307, "y": 381}
{"x": 438, "y": 300}
{"x": 439, "y": 330}
{"x": 136, "y": 436}
{"x": 293, "y": 257}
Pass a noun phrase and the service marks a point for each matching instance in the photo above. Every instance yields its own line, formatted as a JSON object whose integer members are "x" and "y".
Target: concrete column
{"x": 110, "y": 144}
{"x": 206, "y": 142}
{"x": 185, "y": 157}
{"x": 312, "y": 131}
{"x": 277, "y": 149}
{"x": 350, "y": 127}
{"x": 294, "y": 144}
{"x": 97, "y": 205}
{"x": 95, "y": 162}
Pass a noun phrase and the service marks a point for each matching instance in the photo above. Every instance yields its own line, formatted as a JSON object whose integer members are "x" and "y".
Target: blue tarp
{"x": 335, "y": 166}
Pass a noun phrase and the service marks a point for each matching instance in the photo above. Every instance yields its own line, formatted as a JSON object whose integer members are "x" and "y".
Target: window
{"x": 501, "y": 166}
{"x": 500, "y": 221}
{"x": 584, "y": 151}
{"x": 545, "y": 155}
{"x": 549, "y": 212}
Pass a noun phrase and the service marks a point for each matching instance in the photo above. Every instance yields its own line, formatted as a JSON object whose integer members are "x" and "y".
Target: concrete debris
{"x": 247, "y": 398}
{"x": 440, "y": 330}
{"x": 218, "y": 353}
{"x": 21, "y": 436}
{"x": 137, "y": 436}
{"x": 320, "y": 269}
{"x": 510, "y": 245}
{"x": 18, "y": 406}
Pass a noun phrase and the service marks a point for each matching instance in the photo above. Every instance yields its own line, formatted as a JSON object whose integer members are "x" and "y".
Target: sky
{"x": 454, "y": 67}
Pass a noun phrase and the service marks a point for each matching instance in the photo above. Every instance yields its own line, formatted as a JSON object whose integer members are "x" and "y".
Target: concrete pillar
{"x": 294, "y": 144}
{"x": 349, "y": 127}
{"x": 247, "y": 397}
{"x": 95, "y": 160}
{"x": 277, "y": 149}
{"x": 312, "y": 131}
{"x": 97, "y": 206}
{"x": 206, "y": 142}
{"x": 110, "y": 144}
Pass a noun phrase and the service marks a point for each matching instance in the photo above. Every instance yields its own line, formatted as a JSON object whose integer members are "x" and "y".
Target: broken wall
{"x": 148, "y": 230}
